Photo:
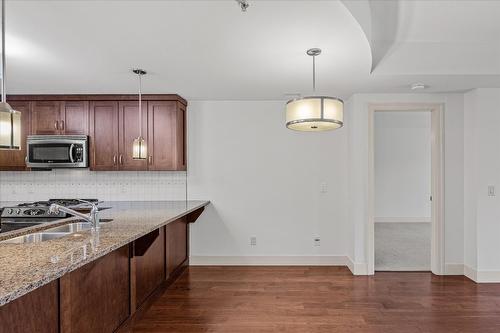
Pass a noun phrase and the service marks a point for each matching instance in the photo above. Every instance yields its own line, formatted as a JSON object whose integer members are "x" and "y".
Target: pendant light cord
{"x": 140, "y": 104}
{"x": 314, "y": 74}
{"x": 4, "y": 97}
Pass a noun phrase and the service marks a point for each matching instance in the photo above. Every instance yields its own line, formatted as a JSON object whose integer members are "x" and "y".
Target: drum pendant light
{"x": 139, "y": 150}
{"x": 314, "y": 113}
{"x": 10, "y": 119}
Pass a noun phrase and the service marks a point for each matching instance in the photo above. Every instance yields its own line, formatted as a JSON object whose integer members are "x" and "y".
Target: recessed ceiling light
{"x": 417, "y": 86}
{"x": 243, "y": 5}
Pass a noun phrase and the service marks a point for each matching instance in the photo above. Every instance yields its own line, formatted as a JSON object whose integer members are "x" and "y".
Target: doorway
{"x": 402, "y": 166}
{"x": 410, "y": 185}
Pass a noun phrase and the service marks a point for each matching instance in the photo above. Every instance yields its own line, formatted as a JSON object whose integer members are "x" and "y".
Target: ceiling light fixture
{"x": 139, "y": 147}
{"x": 10, "y": 119}
{"x": 243, "y": 5}
{"x": 314, "y": 113}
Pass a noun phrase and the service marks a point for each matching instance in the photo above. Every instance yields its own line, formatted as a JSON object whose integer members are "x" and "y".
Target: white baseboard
{"x": 402, "y": 219}
{"x": 357, "y": 268}
{"x": 470, "y": 272}
{"x": 454, "y": 269}
{"x": 268, "y": 260}
{"x": 482, "y": 276}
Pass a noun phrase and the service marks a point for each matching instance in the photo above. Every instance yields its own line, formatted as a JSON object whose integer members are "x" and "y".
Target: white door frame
{"x": 437, "y": 180}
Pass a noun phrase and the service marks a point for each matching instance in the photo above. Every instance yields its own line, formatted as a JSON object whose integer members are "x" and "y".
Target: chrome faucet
{"x": 92, "y": 217}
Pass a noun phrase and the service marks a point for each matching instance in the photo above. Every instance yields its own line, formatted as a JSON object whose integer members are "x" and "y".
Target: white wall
{"x": 81, "y": 183}
{"x": 402, "y": 166}
{"x": 357, "y": 119}
{"x": 264, "y": 180}
{"x": 482, "y": 169}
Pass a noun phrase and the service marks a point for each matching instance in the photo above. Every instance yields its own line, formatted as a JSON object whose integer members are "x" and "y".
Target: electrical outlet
{"x": 317, "y": 241}
{"x": 323, "y": 187}
{"x": 491, "y": 191}
{"x": 253, "y": 241}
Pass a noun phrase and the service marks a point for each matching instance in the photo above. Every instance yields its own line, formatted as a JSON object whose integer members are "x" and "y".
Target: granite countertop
{"x": 25, "y": 267}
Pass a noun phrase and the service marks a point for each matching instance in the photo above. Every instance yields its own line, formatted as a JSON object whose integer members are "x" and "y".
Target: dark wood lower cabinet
{"x": 96, "y": 297}
{"x": 176, "y": 244}
{"x": 37, "y": 311}
{"x": 104, "y": 295}
{"x": 148, "y": 264}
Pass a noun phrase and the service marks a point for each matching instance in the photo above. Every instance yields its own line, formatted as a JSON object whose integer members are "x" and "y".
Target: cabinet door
{"x": 15, "y": 159}
{"x": 95, "y": 297}
{"x": 128, "y": 131}
{"x": 75, "y": 118}
{"x": 104, "y": 135}
{"x": 176, "y": 244}
{"x": 166, "y": 136}
{"x": 149, "y": 262}
{"x": 37, "y": 311}
{"x": 46, "y": 117}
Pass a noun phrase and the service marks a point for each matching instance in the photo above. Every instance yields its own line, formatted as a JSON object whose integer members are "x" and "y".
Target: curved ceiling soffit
{"x": 379, "y": 21}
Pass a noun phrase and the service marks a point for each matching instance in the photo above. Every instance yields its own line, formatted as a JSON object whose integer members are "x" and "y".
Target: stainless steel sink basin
{"x": 35, "y": 237}
{"x": 71, "y": 228}
{"x": 49, "y": 234}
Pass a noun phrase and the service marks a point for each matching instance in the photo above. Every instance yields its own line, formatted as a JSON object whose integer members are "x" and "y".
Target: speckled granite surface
{"x": 25, "y": 267}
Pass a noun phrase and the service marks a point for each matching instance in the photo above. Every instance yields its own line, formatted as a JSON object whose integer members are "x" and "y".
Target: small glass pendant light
{"x": 10, "y": 119}
{"x": 139, "y": 150}
{"x": 314, "y": 113}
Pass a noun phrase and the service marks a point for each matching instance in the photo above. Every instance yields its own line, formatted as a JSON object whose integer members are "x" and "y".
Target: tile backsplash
{"x": 82, "y": 183}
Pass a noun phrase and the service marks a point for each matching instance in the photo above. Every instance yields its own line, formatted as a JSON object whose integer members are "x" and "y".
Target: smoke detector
{"x": 417, "y": 86}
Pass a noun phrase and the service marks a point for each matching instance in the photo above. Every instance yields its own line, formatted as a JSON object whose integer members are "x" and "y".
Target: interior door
{"x": 128, "y": 131}
{"x": 15, "y": 159}
{"x": 75, "y": 118}
{"x": 46, "y": 117}
{"x": 163, "y": 139}
{"x": 104, "y": 135}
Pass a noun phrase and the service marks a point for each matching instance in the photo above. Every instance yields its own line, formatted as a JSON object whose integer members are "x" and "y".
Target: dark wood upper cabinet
{"x": 176, "y": 249}
{"x": 37, "y": 311}
{"x": 15, "y": 159}
{"x": 75, "y": 118}
{"x": 104, "y": 135}
{"x": 95, "y": 297}
{"x": 112, "y": 123}
{"x": 128, "y": 131}
{"x": 60, "y": 117}
{"x": 46, "y": 117}
{"x": 166, "y": 136}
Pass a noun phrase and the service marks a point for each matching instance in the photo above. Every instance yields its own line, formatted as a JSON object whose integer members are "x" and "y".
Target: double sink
{"x": 52, "y": 233}
{"x": 49, "y": 234}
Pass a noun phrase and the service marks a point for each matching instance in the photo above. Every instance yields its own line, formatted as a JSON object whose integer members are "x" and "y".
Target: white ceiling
{"x": 211, "y": 50}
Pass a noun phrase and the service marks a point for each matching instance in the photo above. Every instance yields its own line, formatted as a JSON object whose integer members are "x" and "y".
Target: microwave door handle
{"x": 71, "y": 148}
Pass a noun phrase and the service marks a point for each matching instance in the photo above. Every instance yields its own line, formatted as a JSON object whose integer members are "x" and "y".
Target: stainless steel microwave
{"x": 57, "y": 151}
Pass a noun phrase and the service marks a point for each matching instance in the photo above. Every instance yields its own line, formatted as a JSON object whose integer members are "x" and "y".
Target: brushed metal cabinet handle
{"x": 114, "y": 159}
{"x": 121, "y": 159}
{"x": 56, "y": 125}
{"x": 62, "y": 125}
{"x": 150, "y": 159}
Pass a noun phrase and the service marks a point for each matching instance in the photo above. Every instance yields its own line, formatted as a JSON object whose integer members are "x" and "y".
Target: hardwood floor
{"x": 319, "y": 299}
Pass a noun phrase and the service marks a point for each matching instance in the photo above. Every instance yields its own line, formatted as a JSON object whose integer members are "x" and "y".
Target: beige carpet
{"x": 402, "y": 246}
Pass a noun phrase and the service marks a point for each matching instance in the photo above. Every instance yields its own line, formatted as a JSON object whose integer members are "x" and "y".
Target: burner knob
{"x": 9, "y": 211}
{"x": 18, "y": 211}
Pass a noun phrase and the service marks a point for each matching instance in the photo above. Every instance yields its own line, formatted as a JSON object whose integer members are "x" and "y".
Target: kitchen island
{"x": 144, "y": 246}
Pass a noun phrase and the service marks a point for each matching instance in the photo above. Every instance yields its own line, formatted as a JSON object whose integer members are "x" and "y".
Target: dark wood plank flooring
{"x": 320, "y": 299}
